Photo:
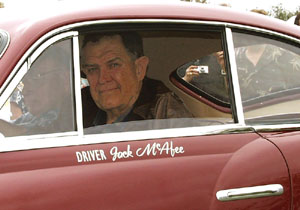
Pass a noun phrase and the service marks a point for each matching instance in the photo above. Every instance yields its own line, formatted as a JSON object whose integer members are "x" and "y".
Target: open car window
{"x": 268, "y": 72}
{"x": 163, "y": 98}
{"x": 131, "y": 80}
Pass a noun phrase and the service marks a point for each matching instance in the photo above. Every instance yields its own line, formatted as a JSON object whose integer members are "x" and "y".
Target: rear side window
{"x": 269, "y": 72}
{"x": 4, "y": 41}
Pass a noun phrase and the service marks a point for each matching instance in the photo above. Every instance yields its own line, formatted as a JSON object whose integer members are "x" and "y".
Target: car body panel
{"x": 186, "y": 179}
{"x": 288, "y": 143}
{"x": 174, "y": 169}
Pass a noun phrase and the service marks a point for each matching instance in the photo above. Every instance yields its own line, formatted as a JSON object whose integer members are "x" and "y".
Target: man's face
{"x": 114, "y": 76}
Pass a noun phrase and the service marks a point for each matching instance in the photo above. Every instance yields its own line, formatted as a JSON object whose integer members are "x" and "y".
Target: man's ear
{"x": 141, "y": 65}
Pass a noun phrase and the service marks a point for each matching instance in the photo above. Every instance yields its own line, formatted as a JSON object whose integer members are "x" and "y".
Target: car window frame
{"x": 25, "y": 66}
{"x": 271, "y": 35}
{"x": 4, "y": 41}
{"x": 78, "y": 138}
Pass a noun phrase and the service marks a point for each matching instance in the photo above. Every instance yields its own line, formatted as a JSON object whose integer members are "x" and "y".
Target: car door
{"x": 273, "y": 111}
{"x": 184, "y": 163}
{"x": 186, "y": 174}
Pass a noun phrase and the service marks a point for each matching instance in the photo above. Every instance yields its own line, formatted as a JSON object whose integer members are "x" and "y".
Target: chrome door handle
{"x": 250, "y": 192}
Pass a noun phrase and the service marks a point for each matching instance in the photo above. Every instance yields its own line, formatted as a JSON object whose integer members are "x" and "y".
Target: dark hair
{"x": 297, "y": 19}
{"x": 132, "y": 41}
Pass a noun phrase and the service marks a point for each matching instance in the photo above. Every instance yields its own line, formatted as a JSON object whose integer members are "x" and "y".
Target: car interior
{"x": 169, "y": 48}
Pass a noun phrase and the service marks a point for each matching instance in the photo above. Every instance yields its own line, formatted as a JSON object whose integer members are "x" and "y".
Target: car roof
{"x": 27, "y": 25}
{"x": 61, "y": 13}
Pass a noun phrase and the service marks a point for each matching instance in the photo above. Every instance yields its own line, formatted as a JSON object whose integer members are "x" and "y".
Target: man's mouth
{"x": 105, "y": 89}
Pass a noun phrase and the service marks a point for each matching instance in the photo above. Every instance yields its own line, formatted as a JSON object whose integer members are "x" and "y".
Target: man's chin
{"x": 108, "y": 104}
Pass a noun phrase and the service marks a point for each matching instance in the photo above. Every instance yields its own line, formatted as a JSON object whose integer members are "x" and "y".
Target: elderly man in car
{"x": 115, "y": 67}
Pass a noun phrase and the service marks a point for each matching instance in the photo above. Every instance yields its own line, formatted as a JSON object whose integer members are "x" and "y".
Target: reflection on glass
{"x": 42, "y": 102}
{"x": 265, "y": 69}
{"x": 208, "y": 74}
{"x": 269, "y": 73}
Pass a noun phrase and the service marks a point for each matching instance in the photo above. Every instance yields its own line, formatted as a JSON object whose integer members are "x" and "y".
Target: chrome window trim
{"x": 71, "y": 139}
{"x": 18, "y": 75}
{"x": 10, "y": 144}
{"x": 264, "y": 31}
{"x": 234, "y": 77}
{"x": 6, "y": 94}
{"x": 49, "y": 42}
{"x": 24, "y": 69}
{"x": 274, "y": 128}
{"x": 111, "y": 21}
{"x": 78, "y": 100}
{"x": 7, "y": 43}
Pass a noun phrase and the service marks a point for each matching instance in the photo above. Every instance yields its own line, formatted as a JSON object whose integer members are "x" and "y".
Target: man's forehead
{"x": 104, "y": 49}
{"x": 104, "y": 56}
{"x": 105, "y": 41}
{"x": 112, "y": 37}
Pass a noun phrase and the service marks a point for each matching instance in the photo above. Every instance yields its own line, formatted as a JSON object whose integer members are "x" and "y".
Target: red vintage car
{"x": 229, "y": 136}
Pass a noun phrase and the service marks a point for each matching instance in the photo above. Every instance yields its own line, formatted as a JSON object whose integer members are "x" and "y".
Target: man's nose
{"x": 104, "y": 76}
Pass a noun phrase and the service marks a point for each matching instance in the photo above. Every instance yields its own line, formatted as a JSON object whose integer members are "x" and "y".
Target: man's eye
{"x": 91, "y": 70}
{"x": 114, "y": 65}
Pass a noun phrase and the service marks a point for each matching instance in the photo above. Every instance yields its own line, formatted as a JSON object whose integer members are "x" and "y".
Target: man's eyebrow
{"x": 114, "y": 59}
{"x": 87, "y": 65}
{"x": 90, "y": 65}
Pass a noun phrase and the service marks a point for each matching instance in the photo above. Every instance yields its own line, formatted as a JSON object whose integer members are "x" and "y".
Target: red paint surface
{"x": 289, "y": 145}
{"x": 53, "y": 179}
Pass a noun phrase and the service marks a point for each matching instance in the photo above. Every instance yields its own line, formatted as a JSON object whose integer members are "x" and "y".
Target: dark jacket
{"x": 155, "y": 101}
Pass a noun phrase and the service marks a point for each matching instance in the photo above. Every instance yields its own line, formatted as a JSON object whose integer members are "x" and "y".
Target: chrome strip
{"x": 23, "y": 70}
{"x": 71, "y": 26}
{"x": 49, "y": 42}
{"x": 265, "y": 31}
{"x": 20, "y": 74}
{"x": 273, "y": 128}
{"x": 85, "y": 23}
{"x": 71, "y": 139}
{"x": 10, "y": 144}
{"x": 250, "y": 192}
{"x": 197, "y": 22}
{"x": 235, "y": 79}
{"x": 78, "y": 100}
{"x": 7, "y": 44}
